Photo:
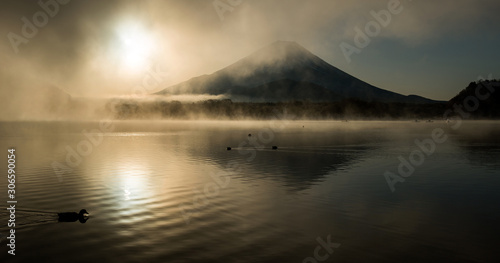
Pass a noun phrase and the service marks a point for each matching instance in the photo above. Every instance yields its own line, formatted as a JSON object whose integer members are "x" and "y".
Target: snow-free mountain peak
{"x": 278, "y": 71}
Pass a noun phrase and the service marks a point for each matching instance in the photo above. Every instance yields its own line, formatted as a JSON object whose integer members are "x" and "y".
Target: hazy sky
{"x": 91, "y": 48}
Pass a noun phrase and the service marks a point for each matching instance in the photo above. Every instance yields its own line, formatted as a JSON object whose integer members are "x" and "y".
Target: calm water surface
{"x": 171, "y": 192}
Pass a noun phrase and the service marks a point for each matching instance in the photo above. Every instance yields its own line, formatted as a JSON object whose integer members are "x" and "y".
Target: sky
{"x": 107, "y": 48}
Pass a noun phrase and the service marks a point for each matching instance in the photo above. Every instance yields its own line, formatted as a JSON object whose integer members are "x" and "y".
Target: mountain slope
{"x": 287, "y": 62}
{"x": 489, "y": 107}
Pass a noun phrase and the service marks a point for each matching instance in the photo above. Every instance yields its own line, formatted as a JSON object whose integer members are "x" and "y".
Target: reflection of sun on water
{"x": 126, "y": 193}
{"x": 132, "y": 177}
{"x": 134, "y": 191}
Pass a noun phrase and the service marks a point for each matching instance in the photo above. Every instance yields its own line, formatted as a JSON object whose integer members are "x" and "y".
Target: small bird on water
{"x": 83, "y": 216}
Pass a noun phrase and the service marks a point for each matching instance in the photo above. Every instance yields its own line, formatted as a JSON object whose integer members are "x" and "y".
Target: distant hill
{"x": 285, "y": 71}
{"x": 488, "y": 108}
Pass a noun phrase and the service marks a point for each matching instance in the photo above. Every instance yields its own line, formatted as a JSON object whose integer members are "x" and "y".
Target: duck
{"x": 83, "y": 216}
{"x": 275, "y": 147}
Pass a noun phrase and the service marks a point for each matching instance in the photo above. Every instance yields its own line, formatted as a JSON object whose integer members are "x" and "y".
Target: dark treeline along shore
{"x": 227, "y": 109}
{"x": 345, "y": 109}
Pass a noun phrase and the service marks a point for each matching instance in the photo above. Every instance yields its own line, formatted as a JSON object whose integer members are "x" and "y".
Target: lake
{"x": 171, "y": 191}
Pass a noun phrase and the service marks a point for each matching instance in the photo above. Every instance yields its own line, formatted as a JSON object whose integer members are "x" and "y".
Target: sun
{"x": 136, "y": 46}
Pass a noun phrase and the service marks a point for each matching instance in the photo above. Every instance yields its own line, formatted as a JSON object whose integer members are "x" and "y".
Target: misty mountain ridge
{"x": 286, "y": 71}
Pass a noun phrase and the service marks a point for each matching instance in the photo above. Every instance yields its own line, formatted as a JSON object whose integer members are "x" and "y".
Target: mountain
{"x": 486, "y": 92}
{"x": 286, "y": 71}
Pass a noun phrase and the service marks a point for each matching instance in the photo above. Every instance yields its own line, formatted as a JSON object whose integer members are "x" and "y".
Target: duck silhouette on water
{"x": 83, "y": 216}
